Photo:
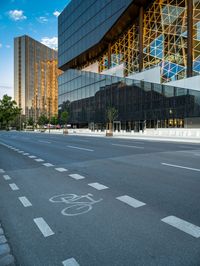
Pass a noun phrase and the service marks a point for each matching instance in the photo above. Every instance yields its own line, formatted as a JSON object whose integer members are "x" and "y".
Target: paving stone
{"x": 8, "y": 260}
{"x": 2, "y": 240}
{"x": 4, "y": 250}
{"x": 1, "y": 231}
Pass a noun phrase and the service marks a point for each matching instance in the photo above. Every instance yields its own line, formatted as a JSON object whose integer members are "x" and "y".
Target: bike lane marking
{"x": 77, "y": 176}
{"x": 131, "y": 201}
{"x": 61, "y": 169}
{"x": 70, "y": 262}
{"x": 25, "y": 201}
{"x": 97, "y": 186}
{"x": 182, "y": 225}
{"x": 43, "y": 227}
{"x": 13, "y": 186}
{"x": 6, "y": 177}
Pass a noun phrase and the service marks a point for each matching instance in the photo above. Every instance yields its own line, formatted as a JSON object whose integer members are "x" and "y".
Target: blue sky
{"x": 36, "y": 18}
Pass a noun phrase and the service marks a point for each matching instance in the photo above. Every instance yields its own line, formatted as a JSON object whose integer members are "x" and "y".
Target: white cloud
{"x": 7, "y": 46}
{"x": 17, "y": 15}
{"x": 56, "y": 13}
{"x": 42, "y": 19}
{"x": 50, "y": 42}
{"x": 0, "y": 45}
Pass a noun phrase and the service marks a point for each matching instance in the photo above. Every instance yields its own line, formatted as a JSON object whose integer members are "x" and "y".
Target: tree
{"x": 54, "y": 120}
{"x": 42, "y": 120}
{"x": 8, "y": 111}
{"x": 111, "y": 114}
{"x": 64, "y": 119}
{"x": 30, "y": 121}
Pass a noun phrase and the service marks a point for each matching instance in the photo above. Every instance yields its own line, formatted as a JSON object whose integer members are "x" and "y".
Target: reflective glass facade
{"x": 35, "y": 77}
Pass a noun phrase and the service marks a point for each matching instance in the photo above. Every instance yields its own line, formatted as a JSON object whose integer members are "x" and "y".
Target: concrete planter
{"x": 109, "y": 134}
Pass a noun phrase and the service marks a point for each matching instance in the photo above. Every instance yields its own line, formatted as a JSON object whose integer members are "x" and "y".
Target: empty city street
{"x": 96, "y": 201}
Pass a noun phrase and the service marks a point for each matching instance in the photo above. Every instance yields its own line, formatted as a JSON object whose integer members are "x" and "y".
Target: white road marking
{"x": 128, "y": 146}
{"x": 39, "y": 160}
{"x": 77, "y": 176}
{"x": 97, "y": 186}
{"x": 197, "y": 154}
{"x": 43, "y": 141}
{"x": 78, "y": 148}
{"x": 32, "y": 156}
{"x": 6, "y": 177}
{"x": 70, "y": 262}
{"x": 13, "y": 186}
{"x": 48, "y": 164}
{"x": 26, "y": 153}
{"x": 182, "y": 167}
{"x": 20, "y": 151}
{"x": 131, "y": 201}
{"x": 61, "y": 169}
{"x": 43, "y": 227}
{"x": 25, "y": 201}
{"x": 182, "y": 225}
{"x": 2, "y": 171}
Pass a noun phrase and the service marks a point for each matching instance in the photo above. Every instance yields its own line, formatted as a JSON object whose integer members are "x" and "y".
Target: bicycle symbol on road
{"x": 77, "y": 204}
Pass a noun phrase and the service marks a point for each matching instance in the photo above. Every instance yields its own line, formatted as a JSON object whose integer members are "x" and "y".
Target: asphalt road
{"x": 120, "y": 202}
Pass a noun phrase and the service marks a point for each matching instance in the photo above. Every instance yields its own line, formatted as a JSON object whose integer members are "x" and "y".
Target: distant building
{"x": 140, "y": 56}
{"x": 35, "y": 78}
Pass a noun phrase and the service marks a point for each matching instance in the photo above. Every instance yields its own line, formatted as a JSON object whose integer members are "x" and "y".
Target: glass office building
{"x": 35, "y": 78}
{"x": 96, "y": 37}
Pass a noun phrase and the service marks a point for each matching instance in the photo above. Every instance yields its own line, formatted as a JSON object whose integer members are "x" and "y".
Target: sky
{"x": 35, "y": 18}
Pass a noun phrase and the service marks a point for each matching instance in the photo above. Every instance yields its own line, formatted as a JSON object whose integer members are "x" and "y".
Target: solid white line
{"x": 32, "y": 156}
{"x": 131, "y": 201}
{"x": 128, "y": 146}
{"x": 13, "y": 186}
{"x": 61, "y": 169}
{"x": 48, "y": 164}
{"x": 39, "y": 160}
{"x": 78, "y": 148}
{"x": 2, "y": 171}
{"x": 43, "y": 226}
{"x": 182, "y": 225}
{"x": 6, "y": 177}
{"x": 97, "y": 186}
{"x": 25, "y": 201}
{"x": 77, "y": 176}
{"x": 183, "y": 167}
{"x": 70, "y": 262}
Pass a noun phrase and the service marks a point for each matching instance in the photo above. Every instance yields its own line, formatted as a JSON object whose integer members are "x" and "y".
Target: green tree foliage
{"x": 42, "y": 120}
{"x": 64, "y": 117}
{"x": 111, "y": 115}
{"x": 54, "y": 120}
{"x": 8, "y": 111}
{"x": 30, "y": 121}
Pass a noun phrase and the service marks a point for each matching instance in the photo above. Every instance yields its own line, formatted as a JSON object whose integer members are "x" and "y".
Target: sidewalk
{"x": 174, "y": 135}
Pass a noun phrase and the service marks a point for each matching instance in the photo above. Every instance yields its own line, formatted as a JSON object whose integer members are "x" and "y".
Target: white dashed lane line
{"x": 43, "y": 141}
{"x": 70, "y": 262}
{"x": 79, "y": 148}
{"x": 97, "y": 186}
{"x": 39, "y": 160}
{"x": 128, "y": 146}
{"x": 25, "y": 153}
{"x": 25, "y": 201}
{"x": 76, "y": 176}
{"x": 2, "y": 171}
{"x": 6, "y": 177}
{"x": 43, "y": 227}
{"x": 61, "y": 169}
{"x": 182, "y": 225}
{"x": 13, "y": 186}
{"x": 131, "y": 201}
{"x": 180, "y": 166}
{"x": 32, "y": 156}
{"x": 48, "y": 164}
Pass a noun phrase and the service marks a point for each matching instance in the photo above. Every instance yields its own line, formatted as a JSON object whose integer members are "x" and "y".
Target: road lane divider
{"x": 127, "y": 146}
{"x": 25, "y": 201}
{"x": 76, "y": 176}
{"x": 79, "y": 148}
{"x": 2, "y": 171}
{"x": 97, "y": 186}
{"x": 131, "y": 201}
{"x": 180, "y": 166}
{"x": 61, "y": 169}
{"x": 70, "y": 262}
{"x": 13, "y": 186}
{"x": 43, "y": 227}
{"x": 6, "y": 177}
{"x": 32, "y": 156}
{"x": 48, "y": 164}
{"x": 39, "y": 160}
{"x": 182, "y": 225}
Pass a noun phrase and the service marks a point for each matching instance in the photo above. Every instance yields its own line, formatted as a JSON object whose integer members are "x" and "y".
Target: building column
{"x": 141, "y": 32}
{"x": 109, "y": 55}
{"x": 189, "y": 38}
